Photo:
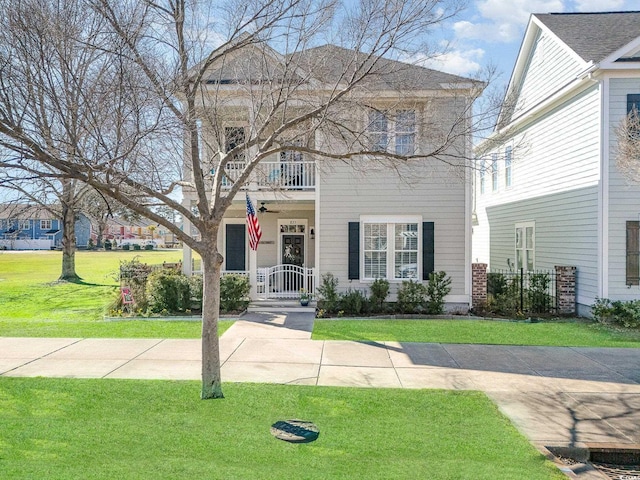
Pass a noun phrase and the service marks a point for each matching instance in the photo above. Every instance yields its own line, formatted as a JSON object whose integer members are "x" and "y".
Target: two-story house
{"x": 548, "y": 190}
{"x": 357, "y": 219}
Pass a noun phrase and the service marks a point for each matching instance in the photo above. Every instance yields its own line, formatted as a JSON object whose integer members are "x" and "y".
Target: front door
{"x": 293, "y": 254}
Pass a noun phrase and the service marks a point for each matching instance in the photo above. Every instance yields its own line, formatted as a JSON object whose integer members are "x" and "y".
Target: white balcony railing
{"x": 276, "y": 175}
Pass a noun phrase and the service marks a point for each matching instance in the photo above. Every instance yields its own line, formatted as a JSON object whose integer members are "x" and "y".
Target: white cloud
{"x": 503, "y": 21}
{"x": 457, "y": 62}
{"x": 599, "y": 5}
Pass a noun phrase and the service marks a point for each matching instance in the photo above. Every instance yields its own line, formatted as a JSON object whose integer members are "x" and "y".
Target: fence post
{"x": 478, "y": 285}
{"x": 521, "y": 289}
{"x": 566, "y": 289}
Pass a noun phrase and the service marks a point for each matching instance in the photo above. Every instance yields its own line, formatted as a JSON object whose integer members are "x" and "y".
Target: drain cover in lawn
{"x": 295, "y": 431}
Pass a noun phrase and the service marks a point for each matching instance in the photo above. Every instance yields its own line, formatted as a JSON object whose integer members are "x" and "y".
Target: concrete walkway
{"x": 554, "y": 395}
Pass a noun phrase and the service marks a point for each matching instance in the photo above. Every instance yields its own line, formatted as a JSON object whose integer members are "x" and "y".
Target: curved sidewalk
{"x": 554, "y": 395}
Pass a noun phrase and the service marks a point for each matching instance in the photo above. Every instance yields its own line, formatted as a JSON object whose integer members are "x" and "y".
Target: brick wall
{"x": 566, "y": 290}
{"x": 478, "y": 285}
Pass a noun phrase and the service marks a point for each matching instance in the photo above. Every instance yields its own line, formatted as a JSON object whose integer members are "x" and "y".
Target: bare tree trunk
{"x": 68, "y": 234}
{"x": 211, "y": 375}
{"x": 68, "y": 245}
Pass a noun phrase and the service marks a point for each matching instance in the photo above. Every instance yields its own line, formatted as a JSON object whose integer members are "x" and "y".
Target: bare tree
{"x": 628, "y": 146}
{"x": 297, "y": 72}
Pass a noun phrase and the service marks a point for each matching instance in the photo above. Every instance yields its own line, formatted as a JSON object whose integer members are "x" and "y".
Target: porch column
{"x": 253, "y": 274}
{"x": 187, "y": 254}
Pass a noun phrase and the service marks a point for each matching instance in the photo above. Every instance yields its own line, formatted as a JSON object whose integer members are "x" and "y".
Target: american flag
{"x": 253, "y": 226}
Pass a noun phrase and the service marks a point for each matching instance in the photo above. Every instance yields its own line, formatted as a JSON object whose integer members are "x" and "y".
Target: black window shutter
{"x": 428, "y": 251}
{"x": 235, "y": 247}
{"x": 633, "y": 253}
{"x": 354, "y": 250}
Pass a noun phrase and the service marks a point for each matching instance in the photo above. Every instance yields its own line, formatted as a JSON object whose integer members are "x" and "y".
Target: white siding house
{"x": 357, "y": 219}
{"x": 556, "y": 136}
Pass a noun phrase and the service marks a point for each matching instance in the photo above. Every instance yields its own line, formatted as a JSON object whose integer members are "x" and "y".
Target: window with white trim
{"x": 24, "y": 225}
{"x": 525, "y": 246}
{"x": 483, "y": 180}
{"x": 494, "y": 172}
{"x": 508, "y": 156}
{"x": 393, "y": 131}
{"x": 391, "y": 250}
{"x": 45, "y": 224}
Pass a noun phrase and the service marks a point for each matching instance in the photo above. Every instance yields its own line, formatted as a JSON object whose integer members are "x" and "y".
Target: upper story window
{"x": 393, "y": 131}
{"x": 508, "y": 155}
{"x": 233, "y": 137}
{"x": 45, "y": 224}
{"x": 483, "y": 181}
{"x": 494, "y": 172}
{"x": 24, "y": 225}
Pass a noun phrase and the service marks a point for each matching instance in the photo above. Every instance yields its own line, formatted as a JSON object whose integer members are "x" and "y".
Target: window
{"x": 378, "y": 131}
{"x": 233, "y": 137}
{"x": 507, "y": 166}
{"x": 391, "y": 250}
{"x": 24, "y": 225}
{"x": 405, "y": 132}
{"x": 633, "y": 253}
{"x": 525, "y": 246}
{"x": 483, "y": 181}
{"x": 393, "y": 131}
{"x": 45, "y": 224}
{"x": 494, "y": 172}
{"x": 633, "y": 102}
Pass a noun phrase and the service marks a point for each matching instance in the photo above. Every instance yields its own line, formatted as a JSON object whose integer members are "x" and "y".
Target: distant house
{"x": 139, "y": 231}
{"x": 27, "y": 227}
{"x": 548, "y": 191}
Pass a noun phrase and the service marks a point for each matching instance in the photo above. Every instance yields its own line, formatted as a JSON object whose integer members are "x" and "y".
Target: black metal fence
{"x": 521, "y": 292}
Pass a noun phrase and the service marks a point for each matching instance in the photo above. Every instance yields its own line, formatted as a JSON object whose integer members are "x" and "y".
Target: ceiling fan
{"x": 264, "y": 209}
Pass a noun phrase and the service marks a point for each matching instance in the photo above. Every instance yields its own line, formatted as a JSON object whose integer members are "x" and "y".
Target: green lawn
{"x": 477, "y": 331}
{"x": 117, "y": 429}
{"x": 35, "y": 304}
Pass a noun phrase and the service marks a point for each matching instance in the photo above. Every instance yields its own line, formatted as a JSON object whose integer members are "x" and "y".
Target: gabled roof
{"x": 593, "y": 36}
{"x": 329, "y": 63}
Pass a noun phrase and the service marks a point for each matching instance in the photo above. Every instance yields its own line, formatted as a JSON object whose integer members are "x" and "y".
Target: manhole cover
{"x": 295, "y": 431}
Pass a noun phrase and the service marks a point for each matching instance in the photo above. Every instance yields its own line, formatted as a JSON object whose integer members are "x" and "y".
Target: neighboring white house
{"x": 548, "y": 191}
{"x": 359, "y": 222}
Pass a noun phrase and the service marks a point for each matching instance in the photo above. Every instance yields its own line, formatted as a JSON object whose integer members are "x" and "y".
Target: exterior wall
{"x": 432, "y": 193}
{"x": 555, "y": 183}
{"x": 566, "y": 233}
{"x": 550, "y": 67}
{"x": 623, "y": 196}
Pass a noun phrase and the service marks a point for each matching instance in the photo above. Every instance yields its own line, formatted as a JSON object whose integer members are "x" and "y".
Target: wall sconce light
{"x": 312, "y": 233}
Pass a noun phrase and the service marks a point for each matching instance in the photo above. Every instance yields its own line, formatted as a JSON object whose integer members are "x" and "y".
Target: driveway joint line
{"x": 134, "y": 358}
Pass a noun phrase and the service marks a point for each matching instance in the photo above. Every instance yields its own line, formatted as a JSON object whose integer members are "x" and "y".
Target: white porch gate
{"x": 285, "y": 281}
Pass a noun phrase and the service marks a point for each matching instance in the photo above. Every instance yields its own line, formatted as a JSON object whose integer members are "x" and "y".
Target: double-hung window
{"x": 24, "y": 225}
{"x": 45, "y": 224}
{"x": 525, "y": 246}
{"x": 393, "y": 131}
{"x": 483, "y": 180}
{"x": 508, "y": 156}
{"x": 494, "y": 172}
{"x": 391, "y": 250}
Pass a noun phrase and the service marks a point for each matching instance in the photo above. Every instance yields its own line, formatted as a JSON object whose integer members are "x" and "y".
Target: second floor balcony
{"x": 276, "y": 175}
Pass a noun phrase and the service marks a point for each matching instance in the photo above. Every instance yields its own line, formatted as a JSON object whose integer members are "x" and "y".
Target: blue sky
{"x": 489, "y": 32}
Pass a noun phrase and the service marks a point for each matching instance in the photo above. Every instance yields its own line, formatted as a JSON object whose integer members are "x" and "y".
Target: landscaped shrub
{"x": 411, "y": 297}
{"x": 438, "y": 287}
{"x": 496, "y": 284}
{"x": 234, "y": 292}
{"x": 328, "y": 298}
{"x": 626, "y": 314}
{"x": 353, "y": 302}
{"x": 107, "y": 244}
{"x": 508, "y": 301}
{"x": 168, "y": 291}
{"x": 537, "y": 294}
{"x": 195, "y": 288}
{"x": 379, "y": 293}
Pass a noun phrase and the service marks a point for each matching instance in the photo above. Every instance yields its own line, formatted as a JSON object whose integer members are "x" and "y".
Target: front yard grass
{"x": 121, "y": 429}
{"x": 34, "y": 304}
{"x": 486, "y": 332}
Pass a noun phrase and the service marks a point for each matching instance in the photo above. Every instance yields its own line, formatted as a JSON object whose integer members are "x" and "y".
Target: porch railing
{"x": 290, "y": 175}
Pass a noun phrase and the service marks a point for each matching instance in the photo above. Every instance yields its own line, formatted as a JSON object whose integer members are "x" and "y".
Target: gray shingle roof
{"x": 329, "y": 62}
{"x": 593, "y": 36}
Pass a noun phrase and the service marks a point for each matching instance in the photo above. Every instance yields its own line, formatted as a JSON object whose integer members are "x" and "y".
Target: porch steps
{"x": 280, "y": 305}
